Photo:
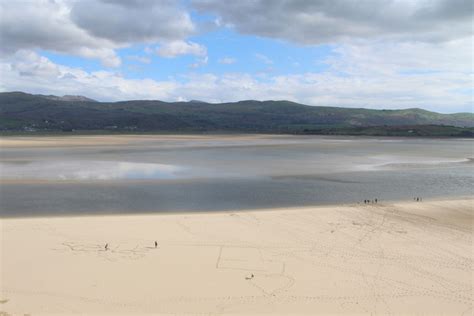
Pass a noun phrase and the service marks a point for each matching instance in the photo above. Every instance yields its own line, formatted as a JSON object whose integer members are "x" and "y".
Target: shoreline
{"x": 100, "y": 139}
{"x": 383, "y": 203}
{"x": 402, "y": 257}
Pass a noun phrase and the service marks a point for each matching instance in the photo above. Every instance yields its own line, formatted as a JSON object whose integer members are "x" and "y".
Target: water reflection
{"x": 89, "y": 170}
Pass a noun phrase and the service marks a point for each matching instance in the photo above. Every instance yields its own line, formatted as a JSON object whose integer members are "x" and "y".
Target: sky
{"x": 381, "y": 54}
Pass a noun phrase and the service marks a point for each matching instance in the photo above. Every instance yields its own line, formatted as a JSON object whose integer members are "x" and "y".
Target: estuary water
{"x": 135, "y": 174}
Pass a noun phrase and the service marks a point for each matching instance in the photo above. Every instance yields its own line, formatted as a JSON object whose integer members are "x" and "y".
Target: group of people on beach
{"x": 374, "y": 201}
{"x": 106, "y": 247}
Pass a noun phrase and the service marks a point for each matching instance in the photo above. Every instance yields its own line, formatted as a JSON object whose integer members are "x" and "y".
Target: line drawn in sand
{"x": 112, "y": 253}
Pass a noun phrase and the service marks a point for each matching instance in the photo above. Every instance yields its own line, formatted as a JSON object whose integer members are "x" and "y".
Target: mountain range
{"x": 27, "y": 112}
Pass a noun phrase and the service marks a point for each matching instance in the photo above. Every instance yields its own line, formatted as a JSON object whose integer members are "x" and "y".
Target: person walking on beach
{"x": 156, "y": 244}
{"x": 375, "y": 201}
{"x": 106, "y": 247}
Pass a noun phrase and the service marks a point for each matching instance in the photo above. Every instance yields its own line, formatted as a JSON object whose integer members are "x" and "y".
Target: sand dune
{"x": 403, "y": 258}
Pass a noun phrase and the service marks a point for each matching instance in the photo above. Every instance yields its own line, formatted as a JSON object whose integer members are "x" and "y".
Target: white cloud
{"x": 451, "y": 56}
{"x": 227, "y": 61}
{"x": 46, "y": 25}
{"x": 176, "y": 48}
{"x": 27, "y": 71}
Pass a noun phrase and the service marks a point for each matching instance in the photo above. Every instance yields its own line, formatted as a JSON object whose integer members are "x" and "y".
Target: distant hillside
{"x": 26, "y": 112}
{"x": 78, "y": 98}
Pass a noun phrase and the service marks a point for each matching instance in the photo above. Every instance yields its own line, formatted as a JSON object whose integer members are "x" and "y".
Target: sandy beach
{"x": 389, "y": 258}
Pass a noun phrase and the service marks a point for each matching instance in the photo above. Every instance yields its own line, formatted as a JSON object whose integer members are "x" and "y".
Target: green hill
{"x": 26, "y": 112}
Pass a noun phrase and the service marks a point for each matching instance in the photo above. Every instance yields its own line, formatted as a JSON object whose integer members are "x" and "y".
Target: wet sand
{"x": 121, "y": 139}
{"x": 380, "y": 259}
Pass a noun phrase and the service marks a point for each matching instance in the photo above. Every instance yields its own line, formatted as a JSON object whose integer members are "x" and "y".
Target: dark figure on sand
{"x": 249, "y": 277}
{"x": 156, "y": 244}
{"x": 106, "y": 247}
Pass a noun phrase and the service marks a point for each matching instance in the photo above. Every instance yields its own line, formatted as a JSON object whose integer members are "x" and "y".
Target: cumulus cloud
{"x": 329, "y": 21}
{"x": 46, "y": 25}
{"x": 30, "y": 72}
{"x": 176, "y": 48}
{"x": 90, "y": 29}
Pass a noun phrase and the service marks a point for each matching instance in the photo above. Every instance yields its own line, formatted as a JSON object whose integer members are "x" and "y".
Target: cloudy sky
{"x": 352, "y": 53}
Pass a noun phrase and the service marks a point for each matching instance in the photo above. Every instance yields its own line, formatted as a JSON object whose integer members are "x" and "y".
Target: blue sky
{"x": 248, "y": 54}
{"x": 337, "y": 53}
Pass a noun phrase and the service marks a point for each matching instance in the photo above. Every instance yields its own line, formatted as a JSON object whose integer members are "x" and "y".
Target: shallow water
{"x": 155, "y": 174}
